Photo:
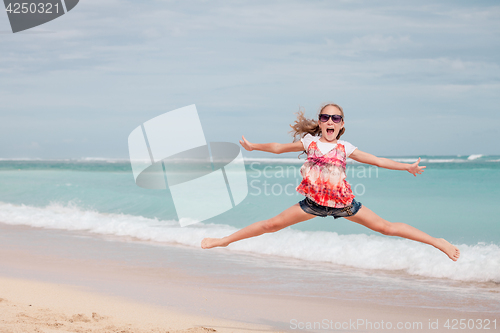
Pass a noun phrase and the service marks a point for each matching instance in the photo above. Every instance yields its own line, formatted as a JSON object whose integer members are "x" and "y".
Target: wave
{"x": 274, "y": 160}
{"x": 437, "y": 159}
{"x": 474, "y": 157}
{"x": 458, "y": 159}
{"x": 478, "y": 263}
{"x": 271, "y": 160}
{"x": 427, "y": 160}
{"x": 63, "y": 160}
{"x": 102, "y": 159}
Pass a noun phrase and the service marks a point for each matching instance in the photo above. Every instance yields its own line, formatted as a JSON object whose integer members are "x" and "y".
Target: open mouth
{"x": 330, "y": 130}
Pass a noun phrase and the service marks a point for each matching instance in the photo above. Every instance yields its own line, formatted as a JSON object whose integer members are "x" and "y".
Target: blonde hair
{"x": 303, "y": 126}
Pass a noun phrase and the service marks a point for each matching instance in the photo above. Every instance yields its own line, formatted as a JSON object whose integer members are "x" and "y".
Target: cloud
{"x": 117, "y": 63}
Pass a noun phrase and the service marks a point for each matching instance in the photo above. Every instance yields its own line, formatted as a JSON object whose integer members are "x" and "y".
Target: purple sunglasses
{"x": 336, "y": 118}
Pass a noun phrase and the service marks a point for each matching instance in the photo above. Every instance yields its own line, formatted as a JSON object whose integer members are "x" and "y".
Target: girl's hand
{"x": 415, "y": 169}
{"x": 247, "y": 145}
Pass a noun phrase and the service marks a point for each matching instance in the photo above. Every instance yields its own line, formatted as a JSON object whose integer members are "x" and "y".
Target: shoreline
{"x": 39, "y": 263}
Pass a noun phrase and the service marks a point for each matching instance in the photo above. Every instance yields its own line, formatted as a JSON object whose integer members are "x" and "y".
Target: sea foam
{"x": 478, "y": 263}
{"x": 474, "y": 157}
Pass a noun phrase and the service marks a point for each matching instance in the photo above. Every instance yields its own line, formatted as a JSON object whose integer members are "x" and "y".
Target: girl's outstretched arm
{"x": 276, "y": 148}
{"x": 386, "y": 163}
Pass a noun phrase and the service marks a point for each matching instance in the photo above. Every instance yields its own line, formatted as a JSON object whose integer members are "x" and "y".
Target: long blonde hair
{"x": 303, "y": 126}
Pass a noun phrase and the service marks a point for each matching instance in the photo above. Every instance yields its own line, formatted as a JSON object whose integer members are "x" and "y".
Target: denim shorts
{"x": 313, "y": 208}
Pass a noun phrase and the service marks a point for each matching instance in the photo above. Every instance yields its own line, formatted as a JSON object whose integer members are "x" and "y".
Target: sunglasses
{"x": 336, "y": 118}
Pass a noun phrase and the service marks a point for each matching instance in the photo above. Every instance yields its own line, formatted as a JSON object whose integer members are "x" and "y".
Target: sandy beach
{"x": 58, "y": 281}
{"x": 32, "y": 306}
{"x": 130, "y": 131}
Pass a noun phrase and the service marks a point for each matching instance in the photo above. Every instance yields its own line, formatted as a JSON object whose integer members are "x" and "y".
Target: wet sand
{"x": 58, "y": 281}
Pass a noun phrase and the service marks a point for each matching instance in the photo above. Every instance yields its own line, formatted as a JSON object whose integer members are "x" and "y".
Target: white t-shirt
{"x": 326, "y": 147}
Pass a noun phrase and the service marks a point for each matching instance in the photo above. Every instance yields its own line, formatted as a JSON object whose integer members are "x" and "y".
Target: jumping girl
{"x": 324, "y": 185}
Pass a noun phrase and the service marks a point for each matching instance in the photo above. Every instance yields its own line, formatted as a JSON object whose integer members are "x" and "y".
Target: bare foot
{"x": 449, "y": 249}
{"x": 208, "y": 243}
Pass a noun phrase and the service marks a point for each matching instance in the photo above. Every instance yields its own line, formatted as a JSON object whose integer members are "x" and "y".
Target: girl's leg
{"x": 371, "y": 220}
{"x": 290, "y": 216}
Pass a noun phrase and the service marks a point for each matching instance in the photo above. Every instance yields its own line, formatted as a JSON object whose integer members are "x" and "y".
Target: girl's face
{"x": 330, "y": 129}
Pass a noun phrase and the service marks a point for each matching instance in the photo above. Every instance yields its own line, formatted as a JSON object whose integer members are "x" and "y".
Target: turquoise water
{"x": 455, "y": 199}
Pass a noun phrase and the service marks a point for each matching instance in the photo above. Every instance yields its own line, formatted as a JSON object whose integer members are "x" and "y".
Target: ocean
{"x": 455, "y": 198}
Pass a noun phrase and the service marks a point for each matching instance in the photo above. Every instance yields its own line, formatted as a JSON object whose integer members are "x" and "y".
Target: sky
{"x": 413, "y": 77}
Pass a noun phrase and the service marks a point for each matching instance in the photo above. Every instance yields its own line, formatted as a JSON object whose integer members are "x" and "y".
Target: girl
{"x": 324, "y": 185}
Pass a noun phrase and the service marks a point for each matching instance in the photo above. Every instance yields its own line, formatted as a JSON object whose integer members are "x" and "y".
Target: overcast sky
{"x": 413, "y": 77}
